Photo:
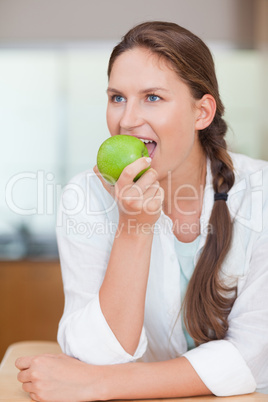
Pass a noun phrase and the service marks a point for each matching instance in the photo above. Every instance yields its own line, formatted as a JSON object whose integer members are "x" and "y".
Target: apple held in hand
{"x": 116, "y": 153}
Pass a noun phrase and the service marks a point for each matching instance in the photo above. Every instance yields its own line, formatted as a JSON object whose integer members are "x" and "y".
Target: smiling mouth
{"x": 150, "y": 145}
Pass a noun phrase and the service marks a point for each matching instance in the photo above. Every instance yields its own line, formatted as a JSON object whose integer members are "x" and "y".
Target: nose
{"x": 131, "y": 117}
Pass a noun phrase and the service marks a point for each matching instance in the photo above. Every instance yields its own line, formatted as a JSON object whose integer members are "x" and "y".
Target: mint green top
{"x": 185, "y": 254}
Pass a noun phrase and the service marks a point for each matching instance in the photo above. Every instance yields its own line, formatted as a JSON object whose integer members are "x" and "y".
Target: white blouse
{"x": 87, "y": 221}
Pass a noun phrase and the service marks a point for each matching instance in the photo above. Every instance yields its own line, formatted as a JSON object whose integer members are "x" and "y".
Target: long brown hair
{"x": 208, "y": 301}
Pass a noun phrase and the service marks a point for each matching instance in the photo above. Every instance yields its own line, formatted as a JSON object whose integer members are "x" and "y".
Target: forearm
{"x": 168, "y": 379}
{"x": 123, "y": 291}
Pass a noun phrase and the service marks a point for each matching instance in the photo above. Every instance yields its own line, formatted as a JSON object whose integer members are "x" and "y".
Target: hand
{"x": 59, "y": 378}
{"x": 141, "y": 200}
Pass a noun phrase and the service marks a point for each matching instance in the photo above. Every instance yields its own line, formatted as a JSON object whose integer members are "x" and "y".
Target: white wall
{"x": 53, "y": 81}
{"x": 82, "y": 20}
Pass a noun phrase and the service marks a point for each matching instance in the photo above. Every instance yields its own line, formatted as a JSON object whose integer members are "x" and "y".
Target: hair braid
{"x": 215, "y": 298}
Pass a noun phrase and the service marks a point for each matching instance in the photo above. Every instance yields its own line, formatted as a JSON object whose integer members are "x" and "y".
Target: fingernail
{"x": 148, "y": 160}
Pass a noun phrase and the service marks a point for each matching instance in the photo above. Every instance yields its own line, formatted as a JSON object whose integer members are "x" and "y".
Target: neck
{"x": 184, "y": 188}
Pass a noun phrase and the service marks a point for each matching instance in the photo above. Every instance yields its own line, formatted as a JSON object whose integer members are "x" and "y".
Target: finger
{"x": 27, "y": 387}
{"x": 151, "y": 192}
{"x": 106, "y": 179}
{"x": 132, "y": 170}
{"x": 153, "y": 200}
{"x": 159, "y": 191}
{"x": 162, "y": 194}
{"x": 147, "y": 179}
{"x": 99, "y": 175}
{"x": 138, "y": 201}
{"x": 136, "y": 190}
{"x": 105, "y": 184}
{"x": 135, "y": 194}
{"x": 23, "y": 363}
{"x": 24, "y": 376}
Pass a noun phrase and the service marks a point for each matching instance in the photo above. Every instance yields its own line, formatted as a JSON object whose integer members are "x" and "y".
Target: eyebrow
{"x": 143, "y": 91}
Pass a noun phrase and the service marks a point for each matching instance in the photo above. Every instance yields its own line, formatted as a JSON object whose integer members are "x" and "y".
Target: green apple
{"x": 116, "y": 153}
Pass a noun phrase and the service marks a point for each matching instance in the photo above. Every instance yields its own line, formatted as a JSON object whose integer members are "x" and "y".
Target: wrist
{"x": 123, "y": 381}
{"x": 105, "y": 386}
{"x": 97, "y": 386}
{"x": 134, "y": 227}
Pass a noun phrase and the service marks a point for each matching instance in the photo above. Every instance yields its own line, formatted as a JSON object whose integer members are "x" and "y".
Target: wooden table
{"x": 10, "y": 388}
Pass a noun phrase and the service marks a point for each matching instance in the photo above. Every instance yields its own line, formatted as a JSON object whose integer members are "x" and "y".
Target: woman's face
{"x": 148, "y": 100}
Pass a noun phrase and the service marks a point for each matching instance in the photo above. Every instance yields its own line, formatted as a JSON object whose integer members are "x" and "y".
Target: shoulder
{"x": 250, "y": 175}
{"x": 245, "y": 166}
{"x": 248, "y": 198}
{"x": 248, "y": 206}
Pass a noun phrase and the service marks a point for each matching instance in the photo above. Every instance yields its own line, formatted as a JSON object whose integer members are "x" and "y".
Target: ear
{"x": 206, "y": 109}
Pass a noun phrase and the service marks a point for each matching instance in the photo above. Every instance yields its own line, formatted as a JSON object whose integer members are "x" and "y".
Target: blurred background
{"x": 53, "y": 62}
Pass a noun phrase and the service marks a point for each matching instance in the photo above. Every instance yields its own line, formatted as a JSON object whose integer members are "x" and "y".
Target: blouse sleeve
{"x": 85, "y": 238}
{"x": 238, "y": 364}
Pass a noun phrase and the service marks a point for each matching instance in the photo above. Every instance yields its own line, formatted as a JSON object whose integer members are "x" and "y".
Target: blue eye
{"x": 117, "y": 98}
{"x": 153, "y": 98}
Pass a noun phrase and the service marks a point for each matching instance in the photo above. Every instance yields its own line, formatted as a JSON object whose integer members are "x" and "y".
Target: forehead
{"x": 141, "y": 64}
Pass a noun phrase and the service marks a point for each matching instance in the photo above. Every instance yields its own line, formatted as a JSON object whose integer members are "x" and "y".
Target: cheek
{"x": 177, "y": 137}
{"x": 112, "y": 121}
{"x": 172, "y": 118}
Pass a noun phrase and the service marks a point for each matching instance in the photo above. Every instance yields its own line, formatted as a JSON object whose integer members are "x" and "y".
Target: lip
{"x": 152, "y": 154}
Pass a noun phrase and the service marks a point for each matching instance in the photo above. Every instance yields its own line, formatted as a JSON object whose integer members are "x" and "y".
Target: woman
{"x": 174, "y": 301}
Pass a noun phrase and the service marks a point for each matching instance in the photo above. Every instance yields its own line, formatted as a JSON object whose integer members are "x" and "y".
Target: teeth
{"x": 146, "y": 141}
